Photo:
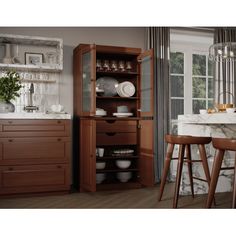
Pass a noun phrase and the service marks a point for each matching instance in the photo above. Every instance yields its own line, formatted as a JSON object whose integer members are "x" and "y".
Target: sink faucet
{"x": 30, "y": 107}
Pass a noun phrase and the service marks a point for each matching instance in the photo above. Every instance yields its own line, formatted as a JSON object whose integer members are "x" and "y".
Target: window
{"x": 191, "y": 76}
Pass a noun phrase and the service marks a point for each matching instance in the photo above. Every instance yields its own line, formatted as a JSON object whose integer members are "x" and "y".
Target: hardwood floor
{"x": 129, "y": 199}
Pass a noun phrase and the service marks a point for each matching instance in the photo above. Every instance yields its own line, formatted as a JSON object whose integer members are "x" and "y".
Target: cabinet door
{"x": 146, "y": 83}
{"x": 87, "y": 155}
{"x": 88, "y": 79}
{"x": 34, "y": 178}
{"x": 34, "y": 150}
{"x": 146, "y": 166}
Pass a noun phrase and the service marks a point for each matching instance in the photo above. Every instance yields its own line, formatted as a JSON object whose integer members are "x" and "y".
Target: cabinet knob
{"x": 10, "y": 140}
{"x": 59, "y": 139}
{"x": 9, "y": 122}
{"x": 59, "y": 167}
{"x": 58, "y": 122}
{"x": 10, "y": 168}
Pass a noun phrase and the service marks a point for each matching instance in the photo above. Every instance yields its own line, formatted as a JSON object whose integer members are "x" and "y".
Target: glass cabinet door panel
{"x": 146, "y": 88}
{"x": 86, "y": 77}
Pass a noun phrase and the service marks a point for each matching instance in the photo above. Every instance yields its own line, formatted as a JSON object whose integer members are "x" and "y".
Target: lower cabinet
{"x": 35, "y": 156}
{"x": 113, "y": 155}
{"x": 34, "y": 178}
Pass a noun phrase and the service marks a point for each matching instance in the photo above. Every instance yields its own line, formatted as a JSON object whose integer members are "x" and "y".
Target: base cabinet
{"x": 30, "y": 162}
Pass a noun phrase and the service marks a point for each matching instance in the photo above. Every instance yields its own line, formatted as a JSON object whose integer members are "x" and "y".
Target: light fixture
{"x": 220, "y": 52}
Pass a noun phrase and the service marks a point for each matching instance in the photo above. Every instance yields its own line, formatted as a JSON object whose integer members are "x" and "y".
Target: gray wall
{"x": 72, "y": 36}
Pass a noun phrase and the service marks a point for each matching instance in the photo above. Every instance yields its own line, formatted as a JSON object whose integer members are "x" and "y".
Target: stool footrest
{"x": 227, "y": 168}
{"x": 199, "y": 179}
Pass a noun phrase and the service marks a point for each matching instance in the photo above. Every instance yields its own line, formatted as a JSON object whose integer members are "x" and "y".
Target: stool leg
{"x": 190, "y": 171}
{"x": 169, "y": 153}
{"x": 214, "y": 176}
{"x": 234, "y": 186}
{"x": 203, "y": 157}
{"x": 178, "y": 176}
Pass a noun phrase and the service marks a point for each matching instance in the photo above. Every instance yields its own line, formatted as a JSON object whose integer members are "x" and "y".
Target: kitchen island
{"x": 222, "y": 125}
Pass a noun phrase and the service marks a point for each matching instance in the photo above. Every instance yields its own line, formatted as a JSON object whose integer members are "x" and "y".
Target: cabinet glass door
{"x": 146, "y": 83}
{"x": 88, "y": 80}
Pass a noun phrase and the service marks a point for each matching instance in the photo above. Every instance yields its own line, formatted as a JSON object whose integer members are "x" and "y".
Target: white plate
{"x": 122, "y": 114}
{"x": 125, "y": 89}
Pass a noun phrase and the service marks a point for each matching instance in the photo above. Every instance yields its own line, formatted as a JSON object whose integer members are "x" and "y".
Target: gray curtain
{"x": 225, "y": 71}
{"x": 158, "y": 38}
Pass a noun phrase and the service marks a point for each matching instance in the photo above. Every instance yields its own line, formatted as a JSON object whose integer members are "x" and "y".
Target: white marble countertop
{"x": 36, "y": 115}
{"x": 214, "y": 118}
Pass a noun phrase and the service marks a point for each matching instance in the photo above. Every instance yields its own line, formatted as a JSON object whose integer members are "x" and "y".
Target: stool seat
{"x": 184, "y": 142}
{"x": 186, "y": 139}
{"x": 224, "y": 144}
{"x": 221, "y": 145}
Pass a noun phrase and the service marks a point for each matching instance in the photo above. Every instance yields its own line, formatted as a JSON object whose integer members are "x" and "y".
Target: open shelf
{"x": 116, "y": 157}
{"x": 116, "y": 97}
{"x": 117, "y": 170}
{"x": 116, "y": 73}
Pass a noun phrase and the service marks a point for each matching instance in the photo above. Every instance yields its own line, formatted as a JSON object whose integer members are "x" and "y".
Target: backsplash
{"x": 46, "y": 90}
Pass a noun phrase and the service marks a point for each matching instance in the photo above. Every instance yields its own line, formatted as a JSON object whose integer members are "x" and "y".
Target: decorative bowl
{"x": 123, "y": 164}
{"x": 100, "y": 178}
{"x": 100, "y": 165}
{"x": 124, "y": 176}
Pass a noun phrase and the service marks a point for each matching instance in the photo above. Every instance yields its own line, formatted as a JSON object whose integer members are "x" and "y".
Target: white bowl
{"x": 230, "y": 110}
{"x": 123, "y": 164}
{"x": 101, "y": 113}
{"x": 203, "y": 111}
{"x": 57, "y": 108}
{"x": 124, "y": 176}
{"x": 100, "y": 177}
{"x": 100, "y": 165}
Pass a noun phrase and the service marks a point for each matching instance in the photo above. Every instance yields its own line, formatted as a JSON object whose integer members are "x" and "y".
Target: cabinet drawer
{"x": 116, "y": 138}
{"x": 34, "y": 178}
{"x": 29, "y": 128}
{"x": 14, "y": 151}
{"x": 116, "y": 126}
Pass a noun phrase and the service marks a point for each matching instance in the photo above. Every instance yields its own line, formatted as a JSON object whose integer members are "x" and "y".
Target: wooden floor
{"x": 128, "y": 199}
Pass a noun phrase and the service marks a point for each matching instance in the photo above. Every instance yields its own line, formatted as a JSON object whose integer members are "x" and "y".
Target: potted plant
{"x": 10, "y": 85}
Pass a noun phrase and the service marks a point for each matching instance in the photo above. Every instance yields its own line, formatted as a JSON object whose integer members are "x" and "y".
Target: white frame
{"x": 37, "y": 56}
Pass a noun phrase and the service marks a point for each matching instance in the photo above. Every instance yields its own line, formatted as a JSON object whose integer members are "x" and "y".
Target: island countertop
{"x": 36, "y": 115}
{"x": 214, "y": 118}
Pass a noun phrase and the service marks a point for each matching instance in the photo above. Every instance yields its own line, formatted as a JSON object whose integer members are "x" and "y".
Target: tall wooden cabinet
{"x": 113, "y": 133}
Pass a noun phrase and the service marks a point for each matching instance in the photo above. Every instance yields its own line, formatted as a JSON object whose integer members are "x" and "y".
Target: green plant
{"x": 10, "y": 85}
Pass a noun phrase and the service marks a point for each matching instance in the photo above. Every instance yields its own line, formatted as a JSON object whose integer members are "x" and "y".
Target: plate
{"x": 125, "y": 89}
{"x": 122, "y": 114}
{"x": 108, "y": 84}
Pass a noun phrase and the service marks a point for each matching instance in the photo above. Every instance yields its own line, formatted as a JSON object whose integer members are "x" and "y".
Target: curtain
{"x": 225, "y": 71}
{"x": 158, "y": 38}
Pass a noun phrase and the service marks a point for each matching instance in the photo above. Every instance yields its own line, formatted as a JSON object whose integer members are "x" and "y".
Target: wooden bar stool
{"x": 184, "y": 142}
{"x": 221, "y": 145}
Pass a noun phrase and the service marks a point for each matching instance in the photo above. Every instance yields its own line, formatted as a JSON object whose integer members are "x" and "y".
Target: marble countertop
{"x": 36, "y": 115}
{"x": 214, "y": 118}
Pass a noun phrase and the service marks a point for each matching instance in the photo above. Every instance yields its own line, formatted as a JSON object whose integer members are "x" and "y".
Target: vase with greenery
{"x": 10, "y": 85}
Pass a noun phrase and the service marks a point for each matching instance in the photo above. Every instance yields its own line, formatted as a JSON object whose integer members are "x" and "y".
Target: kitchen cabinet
{"x": 121, "y": 137}
{"x": 35, "y": 156}
{"x": 50, "y": 48}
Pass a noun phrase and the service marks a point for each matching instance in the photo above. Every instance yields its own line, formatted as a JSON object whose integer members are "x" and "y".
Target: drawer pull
{"x": 10, "y": 168}
{"x": 59, "y": 167}
{"x": 110, "y": 133}
{"x": 9, "y": 122}
{"x": 58, "y": 122}
{"x": 110, "y": 121}
{"x": 10, "y": 140}
{"x": 59, "y": 139}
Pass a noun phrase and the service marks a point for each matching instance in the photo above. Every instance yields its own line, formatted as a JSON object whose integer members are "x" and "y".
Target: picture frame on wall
{"x": 33, "y": 58}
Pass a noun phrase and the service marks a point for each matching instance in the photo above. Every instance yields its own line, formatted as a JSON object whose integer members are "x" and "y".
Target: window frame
{"x": 190, "y": 48}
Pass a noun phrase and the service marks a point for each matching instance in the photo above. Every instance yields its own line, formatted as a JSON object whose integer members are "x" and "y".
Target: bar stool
{"x": 221, "y": 145}
{"x": 184, "y": 142}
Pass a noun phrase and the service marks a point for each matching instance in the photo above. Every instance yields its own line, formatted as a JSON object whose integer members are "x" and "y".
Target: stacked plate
{"x": 125, "y": 89}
